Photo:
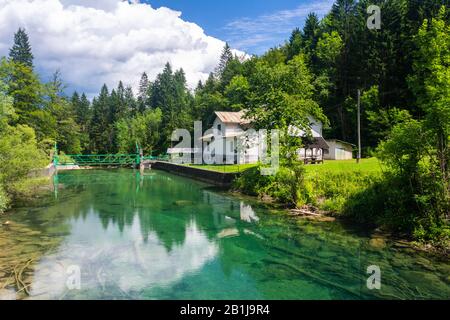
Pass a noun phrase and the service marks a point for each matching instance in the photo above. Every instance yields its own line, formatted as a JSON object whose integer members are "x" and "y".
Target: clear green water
{"x": 159, "y": 236}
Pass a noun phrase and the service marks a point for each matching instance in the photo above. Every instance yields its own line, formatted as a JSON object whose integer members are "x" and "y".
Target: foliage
{"x": 281, "y": 97}
{"x": 4, "y": 200}
{"x": 285, "y": 187}
{"x": 18, "y": 150}
{"x": 21, "y": 49}
{"x": 19, "y": 154}
{"x": 420, "y": 192}
{"x": 329, "y": 48}
{"x": 430, "y": 83}
{"x": 144, "y": 129}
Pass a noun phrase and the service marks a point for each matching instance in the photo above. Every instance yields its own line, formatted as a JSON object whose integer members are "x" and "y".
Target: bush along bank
{"x": 373, "y": 198}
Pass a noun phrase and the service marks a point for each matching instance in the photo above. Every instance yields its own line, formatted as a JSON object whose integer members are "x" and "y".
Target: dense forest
{"x": 336, "y": 56}
{"x": 402, "y": 71}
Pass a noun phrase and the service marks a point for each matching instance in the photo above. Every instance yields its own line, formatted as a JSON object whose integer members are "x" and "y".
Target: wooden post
{"x": 141, "y": 160}
{"x": 358, "y": 159}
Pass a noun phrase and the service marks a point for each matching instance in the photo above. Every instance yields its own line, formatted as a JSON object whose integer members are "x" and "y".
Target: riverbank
{"x": 363, "y": 194}
{"x": 379, "y": 236}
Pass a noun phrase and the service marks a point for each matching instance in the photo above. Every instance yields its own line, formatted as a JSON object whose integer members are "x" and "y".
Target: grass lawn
{"x": 226, "y": 168}
{"x": 366, "y": 165}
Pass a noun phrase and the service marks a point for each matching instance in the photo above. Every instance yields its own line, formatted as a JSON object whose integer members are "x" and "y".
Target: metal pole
{"x": 359, "y": 127}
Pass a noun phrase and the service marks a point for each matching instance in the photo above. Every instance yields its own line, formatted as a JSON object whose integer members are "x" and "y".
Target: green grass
{"x": 226, "y": 168}
{"x": 329, "y": 186}
{"x": 337, "y": 166}
{"x": 366, "y": 165}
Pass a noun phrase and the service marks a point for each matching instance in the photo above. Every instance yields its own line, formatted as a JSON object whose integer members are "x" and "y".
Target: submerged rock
{"x": 183, "y": 203}
{"x": 377, "y": 243}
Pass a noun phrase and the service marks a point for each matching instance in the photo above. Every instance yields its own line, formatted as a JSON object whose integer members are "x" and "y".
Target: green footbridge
{"x": 134, "y": 159}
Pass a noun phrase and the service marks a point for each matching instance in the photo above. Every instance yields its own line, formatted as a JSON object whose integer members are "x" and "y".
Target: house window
{"x": 219, "y": 127}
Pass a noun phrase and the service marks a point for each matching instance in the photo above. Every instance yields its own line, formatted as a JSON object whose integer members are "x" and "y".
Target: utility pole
{"x": 358, "y": 159}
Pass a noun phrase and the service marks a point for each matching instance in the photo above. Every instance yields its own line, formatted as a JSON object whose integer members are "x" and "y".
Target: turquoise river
{"x": 120, "y": 234}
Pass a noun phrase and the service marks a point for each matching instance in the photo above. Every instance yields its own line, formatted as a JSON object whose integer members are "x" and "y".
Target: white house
{"x": 339, "y": 150}
{"x": 231, "y": 140}
{"x": 228, "y": 141}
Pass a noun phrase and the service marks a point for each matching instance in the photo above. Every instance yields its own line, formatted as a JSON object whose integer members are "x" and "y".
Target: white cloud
{"x": 255, "y": 34}
{"x": 96, "y": 42}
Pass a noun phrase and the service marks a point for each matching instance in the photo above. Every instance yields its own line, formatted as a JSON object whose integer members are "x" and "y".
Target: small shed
{"x": 313, "y": 150}
{"x": 339, "y": 150}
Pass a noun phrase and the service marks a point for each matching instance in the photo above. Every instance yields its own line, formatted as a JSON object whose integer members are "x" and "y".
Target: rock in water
{"x": 6, "y": 223}
{"x": 183, "y": 203}
{"x": 377, "y": 243}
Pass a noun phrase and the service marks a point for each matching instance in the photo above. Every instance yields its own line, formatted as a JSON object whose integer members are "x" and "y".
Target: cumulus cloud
{"x": 96, "y": 42}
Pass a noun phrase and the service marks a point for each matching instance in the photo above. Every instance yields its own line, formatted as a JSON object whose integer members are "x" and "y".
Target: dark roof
{"x": 341, "y": 141}
{"x": 317, "y": 142}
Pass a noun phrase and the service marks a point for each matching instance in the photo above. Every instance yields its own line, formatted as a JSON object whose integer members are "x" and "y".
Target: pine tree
{"x": 225, "y": 58}
{"x": 122, "y": 108}
{"x": 99, "y": 134}
{"x": 143, "y": 93}
{"x": 311, "y": 33}
{"x": 295, "y": 44}
{"x": 21, "y": 49}
{"x": 143, "y": 86}
{"x": 130, "y": 102}
{"x": 83, "y": 113}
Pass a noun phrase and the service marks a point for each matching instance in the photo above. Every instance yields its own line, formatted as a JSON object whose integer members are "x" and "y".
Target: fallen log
{"x": 304, "y": 212}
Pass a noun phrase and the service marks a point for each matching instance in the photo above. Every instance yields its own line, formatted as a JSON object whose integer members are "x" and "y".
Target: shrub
{"x": 286, "y": 187}
{"x": 4, "y": 200}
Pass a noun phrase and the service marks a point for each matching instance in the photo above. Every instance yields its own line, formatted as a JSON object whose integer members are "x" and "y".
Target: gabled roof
{"x": 341, "y": 141}
{"x": 232, "y": 117}
{"x": 316, "y": 142}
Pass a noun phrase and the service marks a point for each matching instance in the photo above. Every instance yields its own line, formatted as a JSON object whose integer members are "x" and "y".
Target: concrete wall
{"x": 44, "y": 172}
{"x": 212, "y": 177}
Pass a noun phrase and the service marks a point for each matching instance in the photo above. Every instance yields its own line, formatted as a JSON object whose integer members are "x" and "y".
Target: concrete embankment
{"x": 44, "y": 172}
{"x": 216, "y": 178}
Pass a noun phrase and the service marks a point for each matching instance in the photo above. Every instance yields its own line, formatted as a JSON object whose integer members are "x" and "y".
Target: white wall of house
{"x": 226, "y": 148}
{"x": 339, "y": 150}
{"x": 316, "y": 129}
{"x": 232, "y": 138}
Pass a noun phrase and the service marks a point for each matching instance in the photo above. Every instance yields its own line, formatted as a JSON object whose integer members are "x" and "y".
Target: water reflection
{"x": 133, "y": 232}
{"x": 119, "y": 266}
{"x": 153, "y": 235}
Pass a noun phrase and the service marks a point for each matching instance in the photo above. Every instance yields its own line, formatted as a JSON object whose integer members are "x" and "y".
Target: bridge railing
{"x": 104, "y": 159}
{"x": 98, "y": 159}
{"x": 157, "y": 158}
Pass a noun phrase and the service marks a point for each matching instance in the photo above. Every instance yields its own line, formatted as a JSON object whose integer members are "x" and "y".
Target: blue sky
{"x": 107, "y": 41}
{"x": 249, "y": 25}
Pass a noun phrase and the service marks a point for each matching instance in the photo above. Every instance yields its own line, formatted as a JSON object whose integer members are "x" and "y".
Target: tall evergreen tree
{"x": 143, "y": 99}
{"x": 311, "y": 32}
{"x": 225, "y": 58}
{"x": 130, "y": 102}
{"x": 99, "y": 127}
{"x": 21, "y": 49}
{"x": 295, "y": 44}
